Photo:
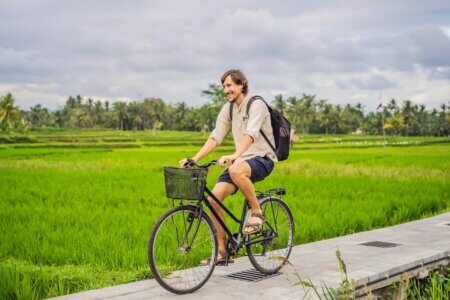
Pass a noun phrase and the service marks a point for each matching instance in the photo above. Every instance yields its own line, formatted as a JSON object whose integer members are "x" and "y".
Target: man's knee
{"x": 237, "y": 172}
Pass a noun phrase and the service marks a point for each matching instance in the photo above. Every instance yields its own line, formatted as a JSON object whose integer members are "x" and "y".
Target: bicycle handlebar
{"x": 193, "y": 163}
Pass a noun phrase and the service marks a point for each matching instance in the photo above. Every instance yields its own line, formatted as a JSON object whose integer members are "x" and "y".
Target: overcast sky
{"x": 342, "y": 51}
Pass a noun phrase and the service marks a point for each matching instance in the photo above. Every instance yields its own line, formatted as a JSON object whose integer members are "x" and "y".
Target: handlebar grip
{"x": 190, "y": 163}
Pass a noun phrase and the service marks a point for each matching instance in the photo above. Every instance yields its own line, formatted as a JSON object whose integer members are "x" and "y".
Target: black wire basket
{"x": 186, "y": 184}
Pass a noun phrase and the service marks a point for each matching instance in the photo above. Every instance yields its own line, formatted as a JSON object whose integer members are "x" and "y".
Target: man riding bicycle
{"x": 253, "y": 159}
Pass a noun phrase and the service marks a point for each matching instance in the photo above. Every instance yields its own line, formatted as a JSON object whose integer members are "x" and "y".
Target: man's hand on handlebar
{"x": 227, "y": 159}
{"x": 186, "y": 162}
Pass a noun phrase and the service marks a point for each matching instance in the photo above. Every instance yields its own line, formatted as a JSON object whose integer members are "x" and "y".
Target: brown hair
{"x": 238, "y": 78}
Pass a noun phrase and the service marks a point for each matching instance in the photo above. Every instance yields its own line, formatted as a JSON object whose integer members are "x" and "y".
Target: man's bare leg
{"x": 221, "y": 190}
{"x": 240, "y": 174}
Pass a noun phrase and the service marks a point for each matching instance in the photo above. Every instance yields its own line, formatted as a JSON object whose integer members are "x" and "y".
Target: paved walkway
{"x": 421, "y": 243}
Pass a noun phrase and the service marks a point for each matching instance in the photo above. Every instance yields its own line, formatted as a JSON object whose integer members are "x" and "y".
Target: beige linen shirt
{"x": 258, "y": 118}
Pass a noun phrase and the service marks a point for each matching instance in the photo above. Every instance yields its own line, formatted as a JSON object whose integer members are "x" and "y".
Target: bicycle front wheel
{"x": 269, "y": 249}
{"x": 180, "y": 240}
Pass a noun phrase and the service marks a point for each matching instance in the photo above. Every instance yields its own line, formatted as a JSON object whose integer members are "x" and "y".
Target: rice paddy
{"x": 77, "y": 207}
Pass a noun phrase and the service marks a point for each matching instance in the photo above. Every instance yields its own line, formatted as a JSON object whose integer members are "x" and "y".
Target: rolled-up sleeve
{"x": 256, "y": 115}
{"x": 223, "y": 124}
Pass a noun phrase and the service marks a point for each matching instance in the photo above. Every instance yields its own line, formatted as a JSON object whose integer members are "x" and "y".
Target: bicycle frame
{"x": 245, "y": 207}
{"x": 235, "y": 240}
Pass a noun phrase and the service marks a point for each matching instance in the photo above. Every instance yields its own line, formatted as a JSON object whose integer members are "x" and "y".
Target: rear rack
{"x": 276, "y": 191}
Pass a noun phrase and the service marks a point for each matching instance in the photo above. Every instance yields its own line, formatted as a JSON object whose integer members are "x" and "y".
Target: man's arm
{"x": 209, "y": 146}
{"x": 223, "y": 125}
{"x": 246, "y": 142}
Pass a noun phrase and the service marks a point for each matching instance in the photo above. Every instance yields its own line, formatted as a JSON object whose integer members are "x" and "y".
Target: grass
{"x": 77, "y": 211}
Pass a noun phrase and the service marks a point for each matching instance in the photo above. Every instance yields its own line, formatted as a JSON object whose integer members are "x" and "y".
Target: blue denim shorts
{"x": 261, "y": 168}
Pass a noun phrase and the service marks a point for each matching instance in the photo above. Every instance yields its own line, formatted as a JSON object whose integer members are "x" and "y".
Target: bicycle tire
{"x": 268, "y": 257}
{"x": 178, "y": 270}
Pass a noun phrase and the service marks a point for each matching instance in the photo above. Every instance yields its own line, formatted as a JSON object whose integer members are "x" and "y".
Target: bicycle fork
{"x": 193, "y": 215}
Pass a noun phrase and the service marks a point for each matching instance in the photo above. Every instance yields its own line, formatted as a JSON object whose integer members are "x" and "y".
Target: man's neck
{"x": 240, "y": 99}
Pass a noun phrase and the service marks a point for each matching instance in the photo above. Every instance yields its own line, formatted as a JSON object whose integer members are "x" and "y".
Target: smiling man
{"x": 253, "y": 159}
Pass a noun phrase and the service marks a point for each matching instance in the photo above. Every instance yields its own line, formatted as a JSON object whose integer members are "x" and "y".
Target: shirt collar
{"x": 244, "y": 103}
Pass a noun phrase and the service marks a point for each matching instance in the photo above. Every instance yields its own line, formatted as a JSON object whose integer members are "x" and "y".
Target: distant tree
{"x": 120, "y": 108}
{"x": 279, "y": 102}
{"x": 38, "y": 115}
{"x": 336, "y": 120}
{"x": 373, "y": 123}
{"x": 306, "y": 111}
{"x": 156, "y": 108}
{"x": 293, "y": 111}
{"x": 207, "y": 115}
{"x": 326, "y": 116}
{"x": 394, "y": 124}
{"x": 180, "y": 114}
{"x": 9, "y": 114}
{"x": 97, "y": 114}
{"x": 57, "y": 118}
{"x": 216, "y": 94}
{"x": 407, "y": 112}
{"x": 392, "y": 107}
{"x": 80, "y": 118}
{"x": 78, "y": 101}
{"x": 134, "y": 115}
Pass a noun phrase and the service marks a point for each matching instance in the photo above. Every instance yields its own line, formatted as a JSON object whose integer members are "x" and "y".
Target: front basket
{"x": 186, "y": 184}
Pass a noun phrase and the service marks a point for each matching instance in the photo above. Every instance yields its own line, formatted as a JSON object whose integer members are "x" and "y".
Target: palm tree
{"x": 325, "y": 116}
{"x": 392, "y": 107}
{"x": 157, "y": 111}
{"x": 57, "y": 118}
{"x": 38, "y": 115}
{"x": 9, "y": 114}
{"x": 336, "y": 119}
{"x": 181, "y": 110}
{"x": 216, "y": 94}
{"x": 120, "y": 108}
{"x": 279, "y": 103}
{"x": 97, "y": 113}
{"x": 408, "y": 115}
{"x": 307, "y": 111}
{"x": 78, "y": 101}
{"x": 80, "y": 118}
{"x": 293, "y": 111}
{"x": 134, "y": 112}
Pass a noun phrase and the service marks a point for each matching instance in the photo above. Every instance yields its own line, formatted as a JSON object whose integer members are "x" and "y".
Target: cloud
{"x": 432, "y": 46}
{"x": 173, "y": 49}
{"x": 371, "y": 82}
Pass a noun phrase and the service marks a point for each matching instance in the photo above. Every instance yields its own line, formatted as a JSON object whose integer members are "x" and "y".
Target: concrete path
{"x": 423, "y": 245}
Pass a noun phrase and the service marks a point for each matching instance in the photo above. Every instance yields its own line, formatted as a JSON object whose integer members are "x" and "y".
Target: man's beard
{"x": 232, "y": 100}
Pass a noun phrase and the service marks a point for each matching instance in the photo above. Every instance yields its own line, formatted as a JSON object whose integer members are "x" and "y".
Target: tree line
{"x": 307, "y": 115}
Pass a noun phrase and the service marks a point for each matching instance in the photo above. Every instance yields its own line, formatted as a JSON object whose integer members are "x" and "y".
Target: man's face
{"x": 232, "y": 89}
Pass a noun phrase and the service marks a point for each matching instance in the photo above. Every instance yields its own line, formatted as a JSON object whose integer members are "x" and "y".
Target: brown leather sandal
{"x": 223, "y": 260}
{"x": 255, "y": 226}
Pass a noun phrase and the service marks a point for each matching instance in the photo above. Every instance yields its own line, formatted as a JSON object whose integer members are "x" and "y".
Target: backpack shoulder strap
{"x": 250, "y": 101}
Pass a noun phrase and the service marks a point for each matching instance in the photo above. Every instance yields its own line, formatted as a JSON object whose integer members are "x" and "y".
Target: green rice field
{"x": 77, "y": 207}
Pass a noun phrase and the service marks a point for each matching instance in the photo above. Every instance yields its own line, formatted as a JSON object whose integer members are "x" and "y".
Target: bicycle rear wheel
{"x": 178, "y": 242}
{"x": 270, "y": 255}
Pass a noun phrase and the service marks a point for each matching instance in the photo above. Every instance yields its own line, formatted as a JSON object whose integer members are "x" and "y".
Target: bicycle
{"x": 186, "y": 234}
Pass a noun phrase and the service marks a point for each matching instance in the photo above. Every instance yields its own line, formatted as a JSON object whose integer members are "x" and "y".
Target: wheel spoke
{"x": 269, "y": 255}
{"x": 176, "y": 267}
